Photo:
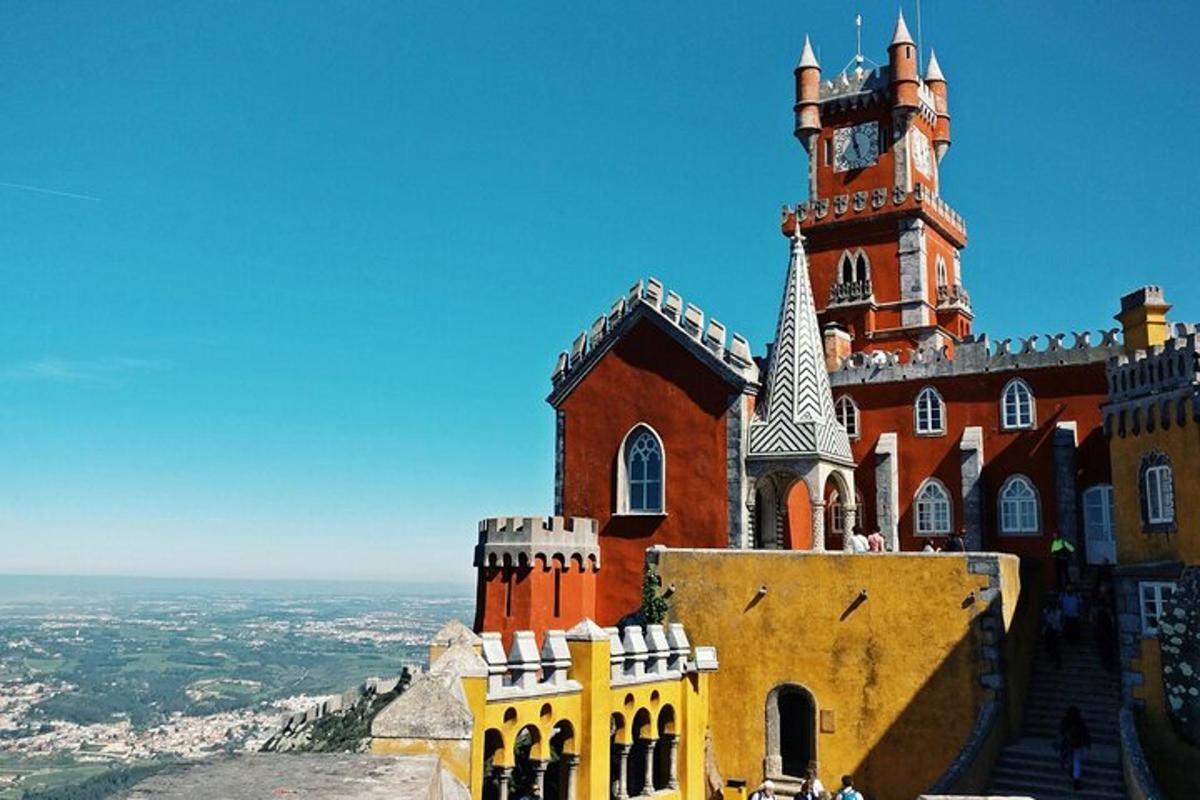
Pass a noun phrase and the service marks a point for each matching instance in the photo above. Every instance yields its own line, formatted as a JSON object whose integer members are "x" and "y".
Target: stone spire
{"x": 799, "y": 420}
{"x": 901, "y": 35}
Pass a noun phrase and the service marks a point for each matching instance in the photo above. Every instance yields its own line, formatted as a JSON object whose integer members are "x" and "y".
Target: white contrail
{"x": 40, "y": 190}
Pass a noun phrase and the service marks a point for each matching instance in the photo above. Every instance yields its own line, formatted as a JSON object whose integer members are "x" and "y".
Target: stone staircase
{"x": 1030, "y": 767}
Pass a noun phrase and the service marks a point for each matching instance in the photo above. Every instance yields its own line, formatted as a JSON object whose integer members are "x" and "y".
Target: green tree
{"x": 654, "y": 606}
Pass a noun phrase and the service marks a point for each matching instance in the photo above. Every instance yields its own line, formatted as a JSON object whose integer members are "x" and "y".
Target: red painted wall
{"x": 541, "y": 597}
{"x": 646, "y": 378}
{"x": 1061, "y": 394}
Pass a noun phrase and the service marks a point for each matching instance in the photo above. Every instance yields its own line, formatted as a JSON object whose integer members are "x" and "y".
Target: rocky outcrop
{"x": 1179, "y": 640}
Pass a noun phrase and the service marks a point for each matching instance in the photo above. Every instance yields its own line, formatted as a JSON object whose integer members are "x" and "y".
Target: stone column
{"x": 970, "y": 454}
{"x": 887, "y": 490}
{"x": 648, "y": 786}
{"x": 673, "y": 773}
{"x": 849, "y": 517}
{"x": 540, "y": 768}
{"x": 572, "y": 772}
{"x": 1064, "y": 484}
{"x": 622, "y": 772}
{"x": 505, "y": 773}
{"x": 818, "y": 527}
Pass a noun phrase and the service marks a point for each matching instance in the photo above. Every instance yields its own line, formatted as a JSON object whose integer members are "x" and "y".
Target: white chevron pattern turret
{"x": 800, "y": 420}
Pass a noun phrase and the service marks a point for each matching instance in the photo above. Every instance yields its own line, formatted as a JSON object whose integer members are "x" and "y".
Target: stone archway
{"x": 791, "y": 732}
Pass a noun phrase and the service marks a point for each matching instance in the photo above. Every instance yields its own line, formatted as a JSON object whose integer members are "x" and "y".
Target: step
{"x": 1110, "y": 773}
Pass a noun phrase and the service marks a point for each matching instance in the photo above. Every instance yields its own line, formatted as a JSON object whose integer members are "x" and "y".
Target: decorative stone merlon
{"x": 1149, "y": 389}
{"x": 522, "y": 541}
{"x": 680, "y": 646}
{"x": 686, "y": 322}
{"x": 556, "y": 658}
{"x": 636, "y": 653}
{"x": 658, "y": 650}
{"x": 974, "y": 355}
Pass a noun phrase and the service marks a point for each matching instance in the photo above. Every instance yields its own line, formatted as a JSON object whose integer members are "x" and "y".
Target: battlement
{"x": 1173, "y": 365}
{"x": 686, "y": 321}
{"x": 973, "y": 355}
{"x": 864, "y": 87}
{"x": 635, "y": 657}
{"x": 848, "y": 206}
{"x": 522, "y": 541}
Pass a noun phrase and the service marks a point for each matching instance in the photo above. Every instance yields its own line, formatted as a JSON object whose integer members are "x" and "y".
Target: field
{"x": 103, "y": 676}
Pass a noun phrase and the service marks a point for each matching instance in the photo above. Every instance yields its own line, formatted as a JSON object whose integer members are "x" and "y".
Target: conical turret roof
{"x": 933, "y": 72}
{"x": 807, "y": 57}
{"x": 901, "y": 34}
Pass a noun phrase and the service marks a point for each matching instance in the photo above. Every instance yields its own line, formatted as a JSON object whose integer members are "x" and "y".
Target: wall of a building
{"x": 544, "y": 595}
{"x": 1181, "y": 443}
{"x": 900, "y": 672}
{"x": 646, "y": 378}
{"x": 1175, "y": 763}
{"x": 1068, "y": 393}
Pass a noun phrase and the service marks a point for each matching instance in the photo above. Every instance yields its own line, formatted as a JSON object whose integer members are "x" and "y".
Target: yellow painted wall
{"x": 1175, "y": 763}
{"x": 1182, "y": 446}
{"x": 900, "y": 672}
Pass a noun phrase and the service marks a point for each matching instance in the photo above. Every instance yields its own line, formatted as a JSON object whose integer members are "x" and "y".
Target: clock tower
{"x": 883, "y": 245}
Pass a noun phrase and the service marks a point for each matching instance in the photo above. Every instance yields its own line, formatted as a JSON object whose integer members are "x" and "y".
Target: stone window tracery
{"x": 1019, "y": 513}
{"x": 933, "y": 512}
{"x": 643, "y": 462}
{"x": 930, "y": 413}
{"x": 1016, "y": 405}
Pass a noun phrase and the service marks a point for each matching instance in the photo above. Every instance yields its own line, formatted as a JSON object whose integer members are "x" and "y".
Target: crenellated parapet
{"x": 1152, "y": 388}
{"x": 729, "y": 354}
{"x": 870, "y": 202}
{"x": 528, "y": 541}
{"x": 977, "y": 354}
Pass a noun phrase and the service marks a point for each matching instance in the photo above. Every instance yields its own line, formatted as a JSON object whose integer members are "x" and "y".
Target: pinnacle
{"x": 807, "y": 58}
{"x": 901, "y": 36}
{"x": 934, "y": 71}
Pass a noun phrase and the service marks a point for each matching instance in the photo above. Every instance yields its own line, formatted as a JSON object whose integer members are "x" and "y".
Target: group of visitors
{"x": 856, "y": 542}
{"x": 812, "y": 789}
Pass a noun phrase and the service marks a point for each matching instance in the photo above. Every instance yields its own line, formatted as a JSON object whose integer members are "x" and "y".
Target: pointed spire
{"x": 800, "y": 421}
{"x": 901, "y": 36}
{"x": 934, "y": 71}
{"x": 807, "y": 57}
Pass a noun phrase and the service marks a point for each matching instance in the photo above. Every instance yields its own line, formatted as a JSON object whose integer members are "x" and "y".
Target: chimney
{"x": 837, "y": 346}
{"x": 1143, "y": 318}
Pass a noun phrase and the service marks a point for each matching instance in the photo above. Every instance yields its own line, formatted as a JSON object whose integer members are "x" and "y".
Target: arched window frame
{"x": 625, "y": 478}
{"x": 854, "y": 267}
{"x": 933, "y": 510}
{"x": 943, "y": 277}
{"x": 1156, "y": 491}
{"x": 1027, "y": 521}
{"x": 846, "y": 411}
{"x": 1017, "y": 390}
{"x": 929, "y": 409}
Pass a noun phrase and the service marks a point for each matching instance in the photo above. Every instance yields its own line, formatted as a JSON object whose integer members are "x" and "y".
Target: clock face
{"x": 922, "y": 157}
{"x": 855, "y": 146}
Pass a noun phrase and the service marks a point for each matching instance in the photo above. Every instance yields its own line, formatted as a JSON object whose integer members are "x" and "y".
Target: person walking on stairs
{"x": 1073, "y": 740}
{"x": 1052, "y": 632}
{"x": 1062, "y": 550}
{"x": 1072, "y": 610}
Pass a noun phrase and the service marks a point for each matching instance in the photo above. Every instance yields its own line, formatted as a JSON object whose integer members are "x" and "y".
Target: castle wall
{"x": 897, "y": 678}
{"x": 649, "y": 378}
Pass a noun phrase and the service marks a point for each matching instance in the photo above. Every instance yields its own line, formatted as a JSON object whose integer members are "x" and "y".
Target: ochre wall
{"x": 900, "y": 671}
{"x": 646, "y": 378}
{"x": 1182, "y": 445}
{"x": 1061, "y": 394}
{"x": 1174, "y": 762}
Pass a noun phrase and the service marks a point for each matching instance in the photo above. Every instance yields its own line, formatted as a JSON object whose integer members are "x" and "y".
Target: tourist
{"x": 812, "y": 788}
{"x": 856, "y": 542}
{"x": 848, "y": 792}
{"x": 1061, "y": 550}
{"x": 1071, "y": 607}
{"x": 956, "y": 544}
{"x": 1073, "y": 740}
{"x": 1052, "y": 632}
{"x": 875, "y": 542}
{"x": 764, "y": 792}
{"x": 928, "y": 548}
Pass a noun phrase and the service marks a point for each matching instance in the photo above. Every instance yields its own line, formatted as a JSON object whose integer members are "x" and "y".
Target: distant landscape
{"x": 105, "y": 674}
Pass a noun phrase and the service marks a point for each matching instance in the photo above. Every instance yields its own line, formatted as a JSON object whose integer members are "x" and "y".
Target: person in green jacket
{"x": 1062, "y": 550}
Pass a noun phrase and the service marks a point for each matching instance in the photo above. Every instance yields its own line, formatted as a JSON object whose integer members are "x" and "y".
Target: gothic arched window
{"x": 846, "y": 269}
{"x": 933, "y": 509}
{"x": 1156, "y": 485}
{"x": 942, "y": 278}
{"x": 930, "y": 413}
{"x": 1016, "y": 405}
{"x": 847, "y": 414}
{"x": 1019, "y": 506}
{"x": 642, "y": 474}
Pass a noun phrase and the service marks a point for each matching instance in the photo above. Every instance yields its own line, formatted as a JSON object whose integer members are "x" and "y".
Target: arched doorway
{"x": 766, "y": 521}
{"x": 791, "y": 717}
{"x": 799, "y": 517}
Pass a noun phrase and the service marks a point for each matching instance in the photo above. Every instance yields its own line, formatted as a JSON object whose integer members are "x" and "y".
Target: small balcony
{"x": 953, "y": 297}
{"x": 851, "y": 292}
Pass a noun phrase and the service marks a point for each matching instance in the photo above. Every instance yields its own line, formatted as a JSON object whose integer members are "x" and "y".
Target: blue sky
{"x": 300, "y": 319}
